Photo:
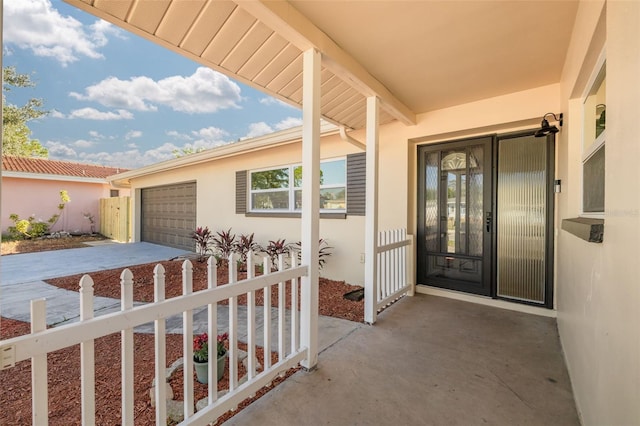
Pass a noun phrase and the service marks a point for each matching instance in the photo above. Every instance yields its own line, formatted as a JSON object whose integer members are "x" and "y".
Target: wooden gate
{"x": 115, "y": 218}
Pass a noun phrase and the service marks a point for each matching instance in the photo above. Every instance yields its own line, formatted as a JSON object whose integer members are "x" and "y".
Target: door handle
{"x": 488, "y": 220}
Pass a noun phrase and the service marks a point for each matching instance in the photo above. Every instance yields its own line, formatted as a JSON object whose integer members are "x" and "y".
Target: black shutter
{"x": 356, "y": 184}
{"x": 241, "y": 192}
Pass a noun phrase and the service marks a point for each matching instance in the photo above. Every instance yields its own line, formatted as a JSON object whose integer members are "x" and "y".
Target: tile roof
{"x": 54, "y": 167}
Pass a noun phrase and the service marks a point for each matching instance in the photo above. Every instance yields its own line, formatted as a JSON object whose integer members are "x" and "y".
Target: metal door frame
{"x": 488, "y": 201}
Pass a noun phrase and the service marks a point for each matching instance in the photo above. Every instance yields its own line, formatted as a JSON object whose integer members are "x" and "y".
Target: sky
{"x": 118, "y": 100}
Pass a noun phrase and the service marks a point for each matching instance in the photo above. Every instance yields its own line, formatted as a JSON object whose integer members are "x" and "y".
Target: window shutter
{"x": 241, "y": 192}
{"x": 356, "y": 184}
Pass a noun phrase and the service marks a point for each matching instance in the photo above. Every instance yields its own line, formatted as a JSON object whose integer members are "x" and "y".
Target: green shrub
{"x": 32, "y": 228}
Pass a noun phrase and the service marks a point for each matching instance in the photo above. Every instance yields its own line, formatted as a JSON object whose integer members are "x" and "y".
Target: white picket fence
{"x": 41, "y": 341}
{"x": 392, "y": 259}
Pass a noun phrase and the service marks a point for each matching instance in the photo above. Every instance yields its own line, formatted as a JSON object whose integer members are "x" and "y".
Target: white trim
{"x": 595, "y": 146}
{"x": 291, "y": 188}
{"x": 599, "y": 142}
{"x": 482, "y": 300}
{"x": 40, "y": 176}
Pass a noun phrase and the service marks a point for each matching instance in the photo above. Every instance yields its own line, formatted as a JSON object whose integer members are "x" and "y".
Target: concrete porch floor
{"x": 430, "y": 361}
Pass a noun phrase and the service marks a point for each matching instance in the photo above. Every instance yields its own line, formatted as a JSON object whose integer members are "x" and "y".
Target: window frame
{"x": 292, "y": 189}
{"x": 589, "y": 150}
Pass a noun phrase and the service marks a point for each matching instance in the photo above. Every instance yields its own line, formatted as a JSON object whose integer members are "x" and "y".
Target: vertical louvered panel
{"x": 521, "y": 219}
{"x": 356, "y": 184}
{"x": 241, "y": 192}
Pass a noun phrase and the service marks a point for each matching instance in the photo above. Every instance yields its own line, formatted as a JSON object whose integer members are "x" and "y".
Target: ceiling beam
{"x": 296, "y": 28}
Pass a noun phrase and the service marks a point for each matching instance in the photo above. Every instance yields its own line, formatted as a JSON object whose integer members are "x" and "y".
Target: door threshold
{"x": 487, "y": 301}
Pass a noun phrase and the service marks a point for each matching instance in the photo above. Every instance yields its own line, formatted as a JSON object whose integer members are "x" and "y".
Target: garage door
{"x": 169, "y": 215}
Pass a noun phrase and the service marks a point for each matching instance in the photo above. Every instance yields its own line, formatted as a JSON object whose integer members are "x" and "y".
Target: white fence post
{"x": 160, "y": 327}
{"x": 212, "y": 331}
{"x": 187, "y": 340}
{"x": 294, "y": 308}
{"x": 87, "y": 356}
{"x": 126, "y": 337}
{"x": 266, "y": 270}
{"x": 251, "y": 321}
{"x": 39, "y": 381}
{"x": 233, "y": 327}
{"x": 281, "y": 312}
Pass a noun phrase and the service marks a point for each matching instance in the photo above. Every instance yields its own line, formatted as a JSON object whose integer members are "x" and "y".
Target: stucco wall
{"x": 39, "y": 197}
{"x": 598, "y": 289}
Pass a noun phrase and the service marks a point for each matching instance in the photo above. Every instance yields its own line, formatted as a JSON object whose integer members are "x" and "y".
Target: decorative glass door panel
{"x": 524, "y": 202}
{"x": 455, "y": 215}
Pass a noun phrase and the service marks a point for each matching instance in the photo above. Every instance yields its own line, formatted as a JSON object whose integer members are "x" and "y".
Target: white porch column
{"x": 371, "y": 218}
{"x": 310, "y": 205}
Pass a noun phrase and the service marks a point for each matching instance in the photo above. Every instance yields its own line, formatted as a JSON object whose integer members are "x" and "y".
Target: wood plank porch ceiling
{"x": 224, "y": 36}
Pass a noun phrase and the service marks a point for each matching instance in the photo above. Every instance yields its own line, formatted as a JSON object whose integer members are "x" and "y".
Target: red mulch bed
{"x": 107, "y": 284}
{"x": 64, "y": 365}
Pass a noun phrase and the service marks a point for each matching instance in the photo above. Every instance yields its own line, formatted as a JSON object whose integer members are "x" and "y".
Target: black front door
{"x": 455, "y": 216}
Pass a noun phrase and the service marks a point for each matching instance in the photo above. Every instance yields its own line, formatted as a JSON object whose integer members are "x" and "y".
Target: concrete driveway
{"x": 22, "y": 276}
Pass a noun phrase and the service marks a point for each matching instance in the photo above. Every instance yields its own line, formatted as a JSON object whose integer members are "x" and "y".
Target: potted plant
{"x": 201, "y": 355}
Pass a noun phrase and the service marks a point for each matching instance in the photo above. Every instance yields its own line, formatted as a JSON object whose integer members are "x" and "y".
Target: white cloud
{"x": 60, "y": 151}
{"x": 262, "y": 128}
{"x": 208, "y": 137}
{"x": 132, "y": 158}
{"x": 94, "y": 114}
{"x": 211, "y": 133}
{"x": 81, "y": 143}
{"x": 205, "y": 91}
{"x": 96, "y": 135}
{"x": 275, "y": 101}
{"x": 133, "y": 134}
{"x": 174, "y": 134}
{"x": 132, "y": 145}
{"x": 288, "y": 123}
{"x": 37, "y": 26}
{"x": 258, "y": 129}
{"x": 54, "y": 113}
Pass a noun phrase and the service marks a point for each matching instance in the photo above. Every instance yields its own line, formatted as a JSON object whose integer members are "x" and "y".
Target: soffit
{"x": 416, "y": 56}
{"x": 437, "y": 54}
{"x": 227, "y": 38}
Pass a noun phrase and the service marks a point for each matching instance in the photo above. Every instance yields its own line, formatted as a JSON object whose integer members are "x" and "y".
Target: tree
{"x": 15, "y": 132}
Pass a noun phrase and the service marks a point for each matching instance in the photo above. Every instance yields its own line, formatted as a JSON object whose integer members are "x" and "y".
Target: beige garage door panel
{"x": 169, "y": 215}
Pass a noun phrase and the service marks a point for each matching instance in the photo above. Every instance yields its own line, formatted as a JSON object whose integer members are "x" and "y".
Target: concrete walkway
{"x": 430, "y": 361}
{"x": 22, "y": 279}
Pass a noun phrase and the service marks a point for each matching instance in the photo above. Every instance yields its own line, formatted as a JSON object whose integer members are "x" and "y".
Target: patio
{"x": 431, "y": 360}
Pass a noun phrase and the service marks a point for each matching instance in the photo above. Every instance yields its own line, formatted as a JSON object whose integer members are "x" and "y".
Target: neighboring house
{"x": 31, "y": 187}
{"x": 447, "y": 92}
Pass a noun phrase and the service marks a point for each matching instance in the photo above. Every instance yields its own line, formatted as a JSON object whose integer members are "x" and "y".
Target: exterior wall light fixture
{"x": 546, "y": 128}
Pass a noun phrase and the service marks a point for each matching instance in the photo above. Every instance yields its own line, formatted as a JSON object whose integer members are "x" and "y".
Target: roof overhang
{"x": 414, "y": 56}
{"x": 61, "y": 178}
{"x": 257, "y": 43}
